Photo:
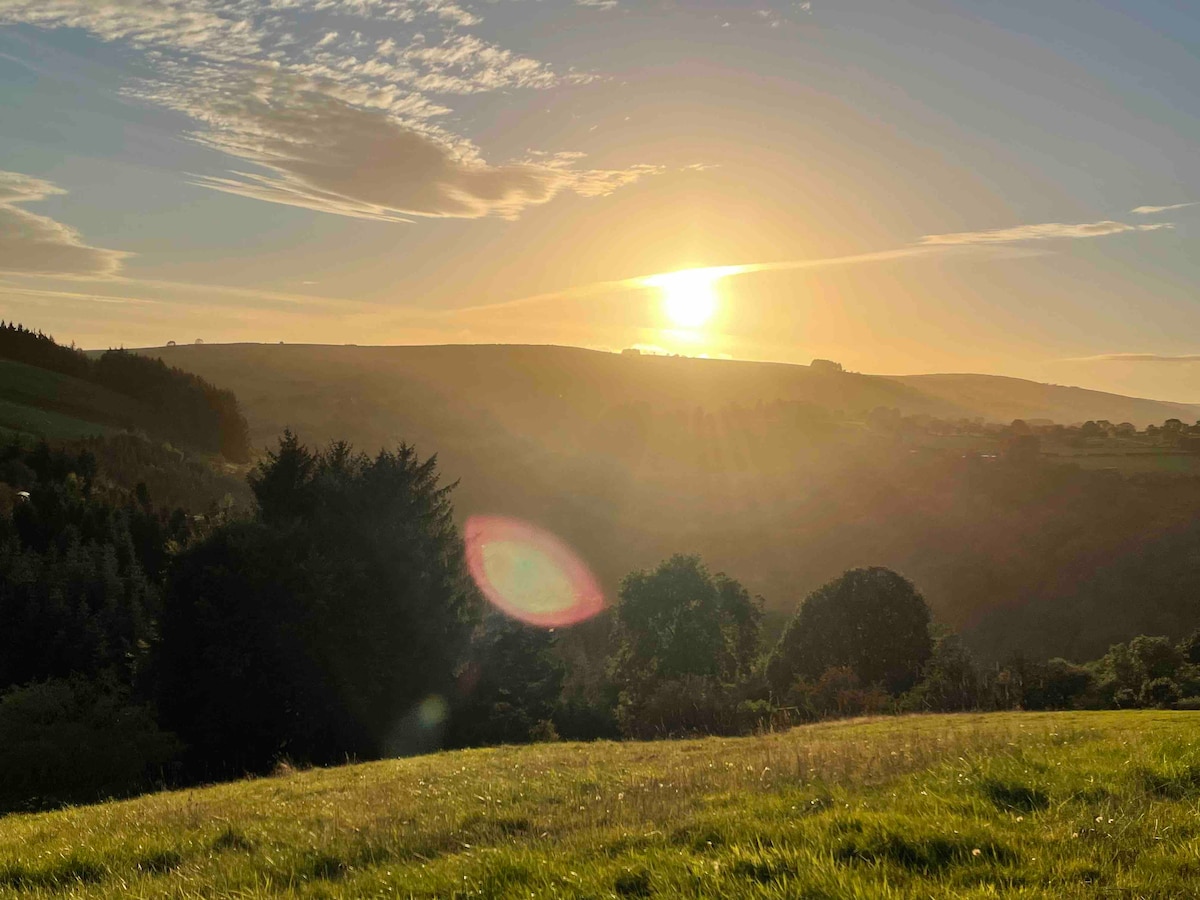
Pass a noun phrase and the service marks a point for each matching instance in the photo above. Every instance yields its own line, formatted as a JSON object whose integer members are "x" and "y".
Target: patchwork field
{"x": 1019, "y": 804}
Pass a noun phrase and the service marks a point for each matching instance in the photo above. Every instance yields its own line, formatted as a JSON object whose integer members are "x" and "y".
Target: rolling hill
{"x": 1055, "y": 805}
{"x": 631, "y": 459}
{"x": 1001, "y": 399}
{"x": 525, "y": 385}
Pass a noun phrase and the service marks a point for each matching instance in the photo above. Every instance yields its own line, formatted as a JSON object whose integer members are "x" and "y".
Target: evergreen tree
{"x": 315, "y": 630}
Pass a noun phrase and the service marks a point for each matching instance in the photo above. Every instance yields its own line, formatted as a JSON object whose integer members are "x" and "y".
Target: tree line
{"x": 142, "y": 645}
{"x": 179, "y": 405}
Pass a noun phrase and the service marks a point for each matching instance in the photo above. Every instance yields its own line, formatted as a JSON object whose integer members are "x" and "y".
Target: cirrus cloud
{"x": 320, "y": 152}
{"x": 1137, "y": 358}
{"x": 336, "y": 105}
{"x": 1041, "y": 232}
{"x": 1151, "y": 210}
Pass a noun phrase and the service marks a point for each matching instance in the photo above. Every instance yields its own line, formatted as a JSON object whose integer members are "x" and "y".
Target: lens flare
{"x": 529, "y": 573}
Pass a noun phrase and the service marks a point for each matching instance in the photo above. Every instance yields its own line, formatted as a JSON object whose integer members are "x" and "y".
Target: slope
{"x": 1002, "y": 399}
{"x": 1061, "y": 805}
{"x": 49, "y": 404}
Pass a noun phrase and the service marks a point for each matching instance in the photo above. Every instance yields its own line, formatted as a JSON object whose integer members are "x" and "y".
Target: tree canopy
{"x": 871, "y": 620}
{"x": 681, "y": 620}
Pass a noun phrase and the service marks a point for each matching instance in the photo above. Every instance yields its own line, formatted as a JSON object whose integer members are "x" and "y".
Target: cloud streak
{"x": 31, "y": 244}
{"x": 647, "y": 282}
{"x": 1042, "y": 232}
{"x": 1137, "y": 358}
{"x": 1151, "y": 210}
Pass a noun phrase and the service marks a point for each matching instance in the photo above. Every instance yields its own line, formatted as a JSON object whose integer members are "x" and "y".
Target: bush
{"x": 949, "y": 682}
{"x": 692, "y": 704}
{"x": 1056, "y": 684}
{"x": 1160, "y": 693}
{"x": 73, "y": 741}
{"x": 838, "y": 692}
{"x": 581, "y": 717}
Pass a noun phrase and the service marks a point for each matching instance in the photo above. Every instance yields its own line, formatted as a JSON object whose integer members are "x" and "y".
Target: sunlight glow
{"x": 690, "y": 296}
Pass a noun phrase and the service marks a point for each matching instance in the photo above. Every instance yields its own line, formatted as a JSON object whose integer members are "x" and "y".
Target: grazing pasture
{"x": 1077, "y": 804}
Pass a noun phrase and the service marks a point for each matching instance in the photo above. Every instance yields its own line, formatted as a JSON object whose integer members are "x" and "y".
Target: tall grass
{"x": 1012, "y": 804}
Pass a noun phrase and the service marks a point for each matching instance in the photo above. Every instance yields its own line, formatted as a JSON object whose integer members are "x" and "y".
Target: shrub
{"x": 838, "y": 692}
{"x": 72, "y": 741}
{"x": 1160, "y": 692}
{"x": 692, "y": 704}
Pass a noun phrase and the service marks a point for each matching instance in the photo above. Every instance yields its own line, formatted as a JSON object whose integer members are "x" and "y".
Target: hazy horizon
{"x": 619, "y": 351}
{"x": 905, "y": 187}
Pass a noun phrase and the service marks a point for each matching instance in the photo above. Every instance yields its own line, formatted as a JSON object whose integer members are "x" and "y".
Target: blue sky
{"x": 937, "y": 186}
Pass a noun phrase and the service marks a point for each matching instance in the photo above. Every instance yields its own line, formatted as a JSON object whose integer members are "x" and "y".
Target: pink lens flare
{"x": 529, "y": 573}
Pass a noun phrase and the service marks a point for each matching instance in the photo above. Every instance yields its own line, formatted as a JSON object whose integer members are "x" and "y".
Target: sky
{"x": 905, "y": 187}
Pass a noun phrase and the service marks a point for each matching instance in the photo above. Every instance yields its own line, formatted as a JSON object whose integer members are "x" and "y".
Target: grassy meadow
{"x": 1013, "y": 804}
{"x": 49, "y": 404}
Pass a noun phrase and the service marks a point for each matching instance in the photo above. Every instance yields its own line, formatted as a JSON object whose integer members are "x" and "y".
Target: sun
{"x": 690, "y": 296}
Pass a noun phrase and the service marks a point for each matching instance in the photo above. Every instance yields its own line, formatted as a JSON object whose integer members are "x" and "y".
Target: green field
{"x": 51, "y": 405}
{"x": 1163, "y": 461}
{"x": 1100, "y": 804}
{"x": 17, "y": 418}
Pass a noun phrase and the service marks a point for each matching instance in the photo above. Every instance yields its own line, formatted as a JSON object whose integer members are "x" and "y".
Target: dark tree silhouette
{"x": 316, "y": 630}
{"x": 178, "y": 405}
{"x": 33, "y": 348}
{"x": 871, "y": 620}
{"x": 509, "y": 687}
{"x": 78, "y": 571}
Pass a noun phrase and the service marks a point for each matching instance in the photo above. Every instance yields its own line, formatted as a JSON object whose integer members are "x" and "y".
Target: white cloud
{"x": 38, "y": 245}
{"x": 320, "y": 152}
{"x": 1040, "y": 232}
{"x": 325, "y": 118}
{"x": 1151, "y": 210}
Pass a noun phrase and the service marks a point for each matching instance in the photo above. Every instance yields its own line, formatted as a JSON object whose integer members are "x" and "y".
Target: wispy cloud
{"x": 31, "y": 244}
{"x": 1137, "y": 358}
{"x": 1046, "y": 231}
{"x": 1151, "y": 210}
{"x": 648, "y": 282}
{"x": 336, "y": 105}
{"x": 321, "y": 152}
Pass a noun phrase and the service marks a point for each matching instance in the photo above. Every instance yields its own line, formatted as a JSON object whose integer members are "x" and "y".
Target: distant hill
{"x": 513, "y": 378}
{"x": 768, "y": 471}
{"x": 1002, "y": 399}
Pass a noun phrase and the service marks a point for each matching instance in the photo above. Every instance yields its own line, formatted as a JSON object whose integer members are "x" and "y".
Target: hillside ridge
{"x": 996, "y": 398}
